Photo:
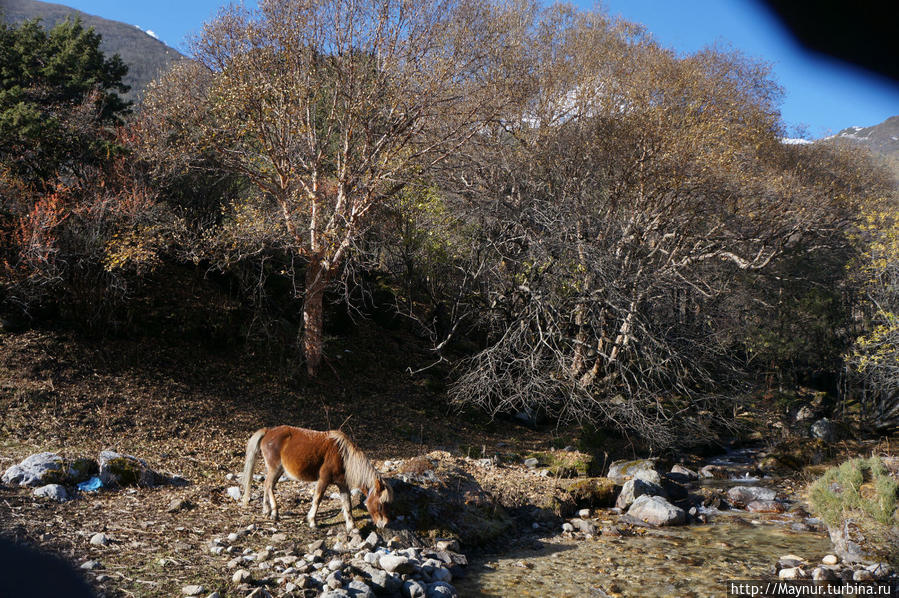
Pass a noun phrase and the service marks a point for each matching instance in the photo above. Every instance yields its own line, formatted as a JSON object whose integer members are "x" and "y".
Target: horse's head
{"x": 379, "y": 497}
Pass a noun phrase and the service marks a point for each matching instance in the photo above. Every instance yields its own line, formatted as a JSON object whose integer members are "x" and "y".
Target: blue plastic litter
{"x": 91, "y": 485}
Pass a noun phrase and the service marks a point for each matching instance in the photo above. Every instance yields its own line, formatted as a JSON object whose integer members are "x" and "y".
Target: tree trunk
{"x": 313, "y": 315}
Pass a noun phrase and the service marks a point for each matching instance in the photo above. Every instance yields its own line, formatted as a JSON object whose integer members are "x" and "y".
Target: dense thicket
{"x": 583, "y": 223}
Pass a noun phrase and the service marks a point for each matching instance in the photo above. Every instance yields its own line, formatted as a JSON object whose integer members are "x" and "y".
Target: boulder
{"x": 634, "y": 488}
{"x": 622, "y": 471}
{"x": 826, "y": 430}
{"x": 740, "y": 496}
{"x": 53, "y": 492}
{"x": 36, "y": 470}
{"x": 124, "y": 470}
{"x": 656, "y": 510}
{"x": 396, "y": 564}
{"x": 413, "y": 589}
{"x": 592, "y": 492}
{"x": 681, "y": 473}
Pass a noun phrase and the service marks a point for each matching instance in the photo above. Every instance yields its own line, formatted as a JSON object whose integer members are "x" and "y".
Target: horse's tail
{"x": 252, "y": 449}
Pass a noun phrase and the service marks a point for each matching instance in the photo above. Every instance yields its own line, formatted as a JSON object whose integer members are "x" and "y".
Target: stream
{"x": 692, "y": 560}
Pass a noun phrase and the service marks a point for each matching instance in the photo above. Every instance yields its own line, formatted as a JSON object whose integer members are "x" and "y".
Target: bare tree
{"x": 329, "y": 108}
{"x": 619, "y": 200}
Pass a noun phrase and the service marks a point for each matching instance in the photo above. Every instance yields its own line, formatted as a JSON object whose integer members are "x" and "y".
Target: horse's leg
{"x": 347, "y": 507}
{"x": 316, "y": 496}
{"x": 271, "y": 479}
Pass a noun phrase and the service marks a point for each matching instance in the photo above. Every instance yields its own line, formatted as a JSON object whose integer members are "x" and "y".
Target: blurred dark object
{"x": 864, "y": 33}
{"x": 25, "y": 571}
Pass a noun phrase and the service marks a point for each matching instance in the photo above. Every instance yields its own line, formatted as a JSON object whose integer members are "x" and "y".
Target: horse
{"x": 310, "y": 455}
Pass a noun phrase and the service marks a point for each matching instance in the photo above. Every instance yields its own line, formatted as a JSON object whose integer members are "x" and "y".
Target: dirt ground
{"x": 189, "y": 413}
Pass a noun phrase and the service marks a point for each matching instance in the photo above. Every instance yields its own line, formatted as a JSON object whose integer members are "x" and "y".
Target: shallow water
{"x": 694, "y": 560}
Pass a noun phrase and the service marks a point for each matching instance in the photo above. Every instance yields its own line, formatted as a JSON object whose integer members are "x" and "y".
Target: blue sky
{"x": 822, "y": 95}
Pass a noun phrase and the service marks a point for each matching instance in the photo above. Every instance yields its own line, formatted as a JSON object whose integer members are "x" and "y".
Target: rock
{"x": 805, "y": 413}
{"x": 880, "y": 570}
{"x": 655, "y": 510}
{"x": 531, "y": 463}
{"x": 413, "y": 589}
{"x": 125, "y": 470}
{"x": 790, "y": 560}
{"x": 567, "y": 527}
{"x": 327, "y": 594}
{"x": 823, "y": 574}
{"x": 396, "y": 564}
{"x": 313, "y": 546}
{"x": 192, "y": 590}
{"x": 791, "y": 573}
{"x": 765, "y": 506}
{"x": 584, "y": 513}
{"x": 359, "y": 589}
{"x": 55, "y": 492}
{"x": 100, "y": 539}
{"x": 622, "y": 471}
{"x": 440, "y": 589}
{"x": 740, "y": 496}
{"x": 234, "y": 492}
{"x": 36, "y": 470}
{"x": 441, "y": 574}
{"x": 585, "y": 527}
{"x": 279, "y": 537}
{"x": 830, "y": 559}
{"x": 91, "y": 565}
{"x": 685, "y": 472}
{"x": 263, "y": 593}
{"x": 862, "y": 575}
{"x": 335, "y": 564}
{"x": 649, "y": 475}
{"x": 451, "y": 545}
{"x": 825, "y": 430}
{"x": 241, "y": 576}
{"x": 717, "y": 472}
{"x": 634, "y": 488}
{"x": 178, "y": 504}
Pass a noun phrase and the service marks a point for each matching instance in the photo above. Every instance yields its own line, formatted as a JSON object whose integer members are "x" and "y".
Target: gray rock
{"x": 824, "y": 574}
{"x": 193, "y": 590}
{"x": 53, "y": 492}
{"x": 100, "y": 539}
{"x": 531, "y": 462}
{"x": 862, "y": 575}
{"x": 125, "y": 470}
{"x": 370, "y": 541}
{"x": 358, "y": 589}
{"x": 413, "y": 589}
{"x": 686, "y": 472}
{"x": 622, "y": 471}
{"x": 826, "y": 430}
{"x": 740, "y": 496}
{"x": 396, "y": 564}
{"x": 241, "y": 576}
{"x": 567, "y": 527}
{"x": 649, "y": 475}
{"x": 655, "y": 510}
{"x": 35, "y": 470}
{"x": 441, "y": 589}
{"x": 830, "y": 559}
{"x": 339, "y": 593}
{"x": 791, "y": 573}
{"x": 335, "y": 564}
{"x": 636, "y": 487}
{"x": 441, "y": 574}
{"x": 880, "y": 570}
{"x": 178, "y": 504}
{"x": 582, "y": 526}
{"x": 234, "y": 492}
{"x": 91, "y": 565}
{"x": 450, "y": 545}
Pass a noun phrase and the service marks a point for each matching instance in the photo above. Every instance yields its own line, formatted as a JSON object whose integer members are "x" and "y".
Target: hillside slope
{"x": 882, "y": 139}
{"x": 144, "y": 55}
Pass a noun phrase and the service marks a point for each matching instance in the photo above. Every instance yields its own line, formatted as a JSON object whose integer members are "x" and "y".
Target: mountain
{"x": 882, "y": 139}
{"x": 145, "y": 55}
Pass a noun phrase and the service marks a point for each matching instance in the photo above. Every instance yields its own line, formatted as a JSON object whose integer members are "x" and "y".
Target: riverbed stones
{"x": 657, "y": 511}
{"x": 624, "y": 470}
{"x": 740, "y": 496}
{"x": 55, "y": 492}
{"x": 36, "y": 470}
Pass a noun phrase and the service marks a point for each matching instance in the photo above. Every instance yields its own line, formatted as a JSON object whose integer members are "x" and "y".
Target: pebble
{"x": 100, "y": 539}
{"x": 862, "y": 575}
{"x": 240, "y": 576}
{"x": 584, "y": 513}
{"x": 193, "y": 590}
{"x": 90, "y": 565}
{"x": 53, "y": 492}
{"x": 791, "y": 573}
{"x": 234, "y": 492}
{"x": 567, "y": 527}
{"x": 830, "y": 559}
{"x": 178, "y": 504}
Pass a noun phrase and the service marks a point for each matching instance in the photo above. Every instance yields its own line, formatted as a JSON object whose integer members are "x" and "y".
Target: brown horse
{"x": 309, "y": 455}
